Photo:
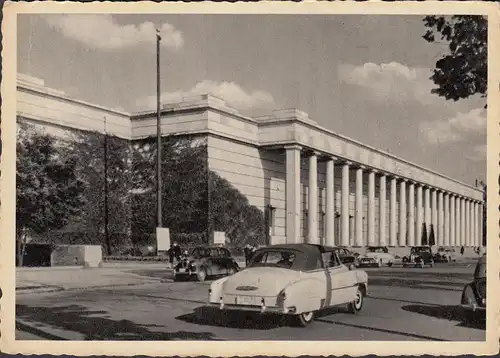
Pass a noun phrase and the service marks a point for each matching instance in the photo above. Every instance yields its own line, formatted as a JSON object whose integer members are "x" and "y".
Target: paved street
{"x": 403, "y": 304}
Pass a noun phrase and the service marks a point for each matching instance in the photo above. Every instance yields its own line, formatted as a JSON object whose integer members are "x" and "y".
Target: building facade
{"x": 312, "y": 184}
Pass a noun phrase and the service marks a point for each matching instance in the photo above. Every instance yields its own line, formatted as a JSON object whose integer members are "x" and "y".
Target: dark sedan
{"x": 205, "y": 261}
{"x": 474, "y": 294}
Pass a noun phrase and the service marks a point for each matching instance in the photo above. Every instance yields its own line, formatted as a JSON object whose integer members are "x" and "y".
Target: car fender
{"x": 305, "y": 294}
{"x": 216, "y": 289}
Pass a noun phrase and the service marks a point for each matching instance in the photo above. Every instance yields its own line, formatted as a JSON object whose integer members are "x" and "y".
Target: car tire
{"x": 201, "y": 275}
{"x": 304, "y": 319}
{"x": 389, "y": 264}
{"x": 355, "y": 306}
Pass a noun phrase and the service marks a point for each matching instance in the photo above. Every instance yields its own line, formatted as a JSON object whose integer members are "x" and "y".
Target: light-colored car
{"x": 376, "y": 256}
{"x": 445, "y": 254}
{"x": 294, "y": 280}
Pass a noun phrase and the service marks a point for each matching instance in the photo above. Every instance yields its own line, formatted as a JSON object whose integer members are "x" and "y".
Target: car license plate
{"x": 182, "y": 270}
{"x": 245, "y": 300}
{"x": 365, "y": 260}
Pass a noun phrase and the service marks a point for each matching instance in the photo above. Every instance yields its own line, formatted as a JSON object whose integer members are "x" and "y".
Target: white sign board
{"x": 219, "y": 238}
{"x": 162, "y": 238}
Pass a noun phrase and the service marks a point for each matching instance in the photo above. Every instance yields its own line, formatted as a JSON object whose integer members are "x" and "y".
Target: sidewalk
{"x": 29, "y": 280}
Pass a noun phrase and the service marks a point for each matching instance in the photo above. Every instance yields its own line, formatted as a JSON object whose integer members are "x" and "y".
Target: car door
{"x": 339, "y": 279}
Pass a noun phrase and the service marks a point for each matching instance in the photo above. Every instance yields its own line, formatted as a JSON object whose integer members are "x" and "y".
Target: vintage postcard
{"x": 246, "y": 179}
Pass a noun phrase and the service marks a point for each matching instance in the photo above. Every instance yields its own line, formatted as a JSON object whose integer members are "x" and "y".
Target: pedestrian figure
{"x": 246, "y": 251}
{"x": 462, "y": 249}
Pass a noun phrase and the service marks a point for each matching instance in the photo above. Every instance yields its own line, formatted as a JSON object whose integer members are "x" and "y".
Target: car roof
{"x": 306, "y": 254}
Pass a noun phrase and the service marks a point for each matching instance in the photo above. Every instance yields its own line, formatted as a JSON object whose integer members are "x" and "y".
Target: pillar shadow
{"x": 93, "y": 325}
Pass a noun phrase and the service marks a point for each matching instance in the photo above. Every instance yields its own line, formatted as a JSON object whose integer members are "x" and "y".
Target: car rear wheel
{"x": 304, "y": 318}
{"x": 355, "y": 306}
{"x": 202, "y": 274}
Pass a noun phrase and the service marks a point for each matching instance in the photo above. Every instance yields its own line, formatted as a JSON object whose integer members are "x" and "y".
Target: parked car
{"x": 445, "y": 254}
{"x": 420, "y": 256}
{"x": 376, "y": 256}
{"x": 347, "y": 257}
{"x": 473, "y": 300}
{"x": 205, "y": 261}
{"x": 294, "y": 280}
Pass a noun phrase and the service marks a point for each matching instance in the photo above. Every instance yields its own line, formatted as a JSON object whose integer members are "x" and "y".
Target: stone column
{"x": 418, "y": 223}
{"x": 382, "y": 222}
{"x": 471, "y": 223}
{"x": 392, "y": 230}
{"x": 434, "y": 215}
{"x": 330, "y": 205}
{"x": 427, "y": 210}
{"x": 462, "y": 222}
{"x": 312, "y": 211}
{"x": 371, "y": 207}
{"x": 480, "y": 212}
{"x": 453, "y": 220}
{"x": 447, "y": 218}
{"x": 474, "y": 223}
{"x": 344, "y": 214}
{"x": 458, "y": 225}
{"x": 411, "y": 215}
{"x": 293, "y": 193}
{"x": 440, "y": 228}
{"x": 402, "y": 213}
{"x": 359, "y": 207}
{"x": 466, "y": 222}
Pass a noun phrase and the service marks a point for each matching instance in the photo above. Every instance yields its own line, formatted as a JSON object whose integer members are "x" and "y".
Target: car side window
{"x": 331, "y": 259}
{"x": 224, "y": 253}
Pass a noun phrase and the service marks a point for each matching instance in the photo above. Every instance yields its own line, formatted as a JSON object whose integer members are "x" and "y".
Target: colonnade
{"x": 456, "y": 219}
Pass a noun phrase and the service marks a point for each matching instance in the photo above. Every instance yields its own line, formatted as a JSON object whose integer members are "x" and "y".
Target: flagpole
{"x": 158, "y": 134}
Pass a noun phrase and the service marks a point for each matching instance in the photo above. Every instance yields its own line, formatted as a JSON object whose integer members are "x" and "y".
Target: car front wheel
{"x": 201, "y": 275}
{"x": 356, "y": 306}
{"x": 305, "y": 318}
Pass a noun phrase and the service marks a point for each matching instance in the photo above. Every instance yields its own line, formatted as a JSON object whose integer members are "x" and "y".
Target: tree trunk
{"x": 21, "y": 248}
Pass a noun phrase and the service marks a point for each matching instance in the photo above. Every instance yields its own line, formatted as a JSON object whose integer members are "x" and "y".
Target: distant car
{"x": 473, "y": 300}
{"x": 293, "y": 280}
{"x": 347, "y": 257}
{"x": 420, "y": 256}
{"x": 205, "y": 261}
{"x": 445, "y": 254}
{"x": 376, "y": 256}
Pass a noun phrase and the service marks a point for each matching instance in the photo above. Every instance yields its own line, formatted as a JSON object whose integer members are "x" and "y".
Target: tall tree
{"x": 462, "y": 72}
{"x": 49, "y": 191}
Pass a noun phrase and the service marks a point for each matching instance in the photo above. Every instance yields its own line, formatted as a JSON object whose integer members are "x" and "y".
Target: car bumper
{"x": 473, "y": 308}
{"x": 256, "y": 309}
{"x": 371, "y": 263}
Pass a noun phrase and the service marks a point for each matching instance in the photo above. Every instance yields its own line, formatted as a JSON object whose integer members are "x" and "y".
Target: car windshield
{"x": 204, "y": 252}
{"x": 274, "y": 258}
{"x": 376, "y": 249}
{"x": 480, "y": 271}
{"x": 421, "y": 249}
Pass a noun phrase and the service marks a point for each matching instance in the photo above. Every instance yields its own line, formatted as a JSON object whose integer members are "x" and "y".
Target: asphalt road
{"x": 403, "y": 304}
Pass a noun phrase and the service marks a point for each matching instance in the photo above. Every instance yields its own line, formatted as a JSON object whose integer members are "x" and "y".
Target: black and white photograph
{"x": 243, "y": 176}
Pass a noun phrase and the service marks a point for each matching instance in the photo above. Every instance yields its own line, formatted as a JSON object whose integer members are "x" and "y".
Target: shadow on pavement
{"x": 77, "y": 318}
{"x": 210, "y": 316}
{"x": 451, "y": 313}
{"x": 416, "y": 284}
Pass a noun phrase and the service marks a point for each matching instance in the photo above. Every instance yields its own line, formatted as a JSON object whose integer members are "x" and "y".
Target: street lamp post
{"x": 158, "y": 133}
{"x": 106, "y": 209}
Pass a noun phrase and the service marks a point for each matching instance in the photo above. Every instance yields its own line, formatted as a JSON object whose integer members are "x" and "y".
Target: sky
{"x": 362, "y": 76}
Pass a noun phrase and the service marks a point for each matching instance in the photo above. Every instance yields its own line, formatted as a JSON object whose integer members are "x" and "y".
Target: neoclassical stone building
{"x": 313, "y": 185}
